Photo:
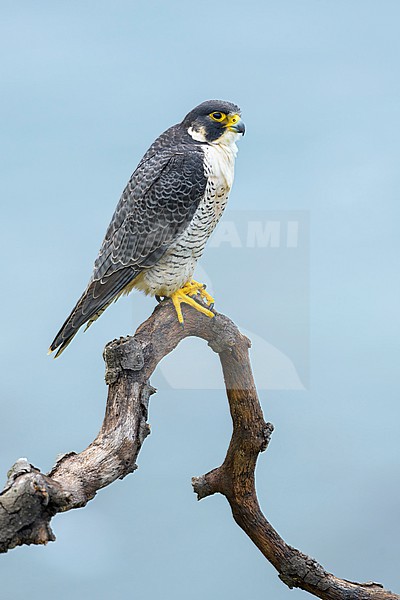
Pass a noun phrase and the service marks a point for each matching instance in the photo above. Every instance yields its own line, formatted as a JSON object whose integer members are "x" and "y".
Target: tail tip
{"x": 51, "y": 350}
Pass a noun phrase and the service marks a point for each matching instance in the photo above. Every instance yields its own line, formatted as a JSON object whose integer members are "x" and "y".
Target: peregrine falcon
{"x": 166, "y": 213}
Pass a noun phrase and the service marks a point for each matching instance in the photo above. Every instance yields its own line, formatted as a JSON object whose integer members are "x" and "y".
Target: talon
{"x": 185, "y": 296}
{"x": 158, "y": 298}
{"x": 200, "y": 288}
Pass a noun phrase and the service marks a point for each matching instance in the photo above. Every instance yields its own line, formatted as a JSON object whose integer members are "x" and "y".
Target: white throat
{"x": 220, "y": 155}
{"x": 227, "y": 140}
{"x": 220, "y": 160}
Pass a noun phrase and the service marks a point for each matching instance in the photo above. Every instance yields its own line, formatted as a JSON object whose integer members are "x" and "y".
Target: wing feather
{"x": 156, "y": 206}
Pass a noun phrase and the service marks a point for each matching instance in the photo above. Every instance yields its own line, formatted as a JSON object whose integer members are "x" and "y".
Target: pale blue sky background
{"x": 85, "y": 88}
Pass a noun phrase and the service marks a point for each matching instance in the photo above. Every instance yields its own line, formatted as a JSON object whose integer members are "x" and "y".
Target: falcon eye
{"x": 217, "y": 116}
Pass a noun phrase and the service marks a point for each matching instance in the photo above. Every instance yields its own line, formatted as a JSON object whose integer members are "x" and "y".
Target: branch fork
{"x": 30, "y": 498}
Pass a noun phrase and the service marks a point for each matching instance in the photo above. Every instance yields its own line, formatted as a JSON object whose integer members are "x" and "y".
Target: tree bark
{"x": 30, "y": 499}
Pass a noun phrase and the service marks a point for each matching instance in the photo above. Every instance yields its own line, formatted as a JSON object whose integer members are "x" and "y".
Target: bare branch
{"x": 30, "y": 499}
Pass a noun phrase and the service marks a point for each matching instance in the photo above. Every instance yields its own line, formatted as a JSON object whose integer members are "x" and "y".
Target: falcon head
{"x": 214, "y": 122}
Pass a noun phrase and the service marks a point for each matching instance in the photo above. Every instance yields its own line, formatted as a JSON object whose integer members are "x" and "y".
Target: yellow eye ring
{"x": 218, "y": 116}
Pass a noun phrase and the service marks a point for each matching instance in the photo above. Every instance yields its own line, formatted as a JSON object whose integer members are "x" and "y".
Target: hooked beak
{"x": 235, "y": 124}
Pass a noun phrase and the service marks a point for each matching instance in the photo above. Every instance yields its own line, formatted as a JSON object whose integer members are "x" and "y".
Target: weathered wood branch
{"x": 30, "y": 499}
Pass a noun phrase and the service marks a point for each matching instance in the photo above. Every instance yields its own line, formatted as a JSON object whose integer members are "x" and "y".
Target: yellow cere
{"x": 232, "y": 120}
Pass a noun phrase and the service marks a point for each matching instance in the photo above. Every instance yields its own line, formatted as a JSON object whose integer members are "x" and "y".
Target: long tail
{"x": 93, "y": 302}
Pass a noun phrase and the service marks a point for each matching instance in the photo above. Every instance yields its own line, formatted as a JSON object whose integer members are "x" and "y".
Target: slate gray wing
{"x": 155, "y": 208}
{"x": 152, "y": 212}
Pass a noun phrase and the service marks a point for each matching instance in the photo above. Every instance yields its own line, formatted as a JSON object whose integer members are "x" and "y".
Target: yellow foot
{"x": 184, "y": 295}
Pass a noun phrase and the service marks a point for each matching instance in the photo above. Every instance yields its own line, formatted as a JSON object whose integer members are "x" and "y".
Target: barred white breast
{"x": 178, "y": 264}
